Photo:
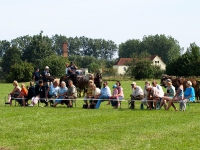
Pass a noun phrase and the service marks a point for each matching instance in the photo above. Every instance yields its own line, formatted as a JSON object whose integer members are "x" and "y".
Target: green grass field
{"x": 105, "y": 128}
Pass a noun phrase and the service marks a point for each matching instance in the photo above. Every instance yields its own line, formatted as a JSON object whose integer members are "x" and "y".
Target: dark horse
{"x": 98, "y": 80}
{"x": 195, "y": 83}
{"x": 80, "y": 81}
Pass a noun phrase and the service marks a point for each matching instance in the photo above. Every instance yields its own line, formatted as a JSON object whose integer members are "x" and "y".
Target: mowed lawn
{"x": 104, "y": 128}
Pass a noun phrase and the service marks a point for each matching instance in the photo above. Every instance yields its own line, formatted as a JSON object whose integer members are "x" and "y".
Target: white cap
{"x": 46, "y": 67}
{"x": 133, "y": 83}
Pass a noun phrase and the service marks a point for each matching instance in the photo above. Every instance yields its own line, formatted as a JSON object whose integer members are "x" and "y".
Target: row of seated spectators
{"x": 41, "y": 92}
{"x": 62, "y": 95}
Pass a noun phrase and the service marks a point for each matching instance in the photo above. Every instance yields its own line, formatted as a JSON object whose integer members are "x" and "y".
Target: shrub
{"x": 22, "y": 72}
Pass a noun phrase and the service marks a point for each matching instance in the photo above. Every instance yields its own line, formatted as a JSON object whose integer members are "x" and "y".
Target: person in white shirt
{"x": 145, "y": 99}
{"x": 104, "y": 94}
{"x": 137, "y": 94}
{"x": 158, "y": 93}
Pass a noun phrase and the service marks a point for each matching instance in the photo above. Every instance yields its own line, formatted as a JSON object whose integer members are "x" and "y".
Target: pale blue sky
{"x": 116, "y": 20}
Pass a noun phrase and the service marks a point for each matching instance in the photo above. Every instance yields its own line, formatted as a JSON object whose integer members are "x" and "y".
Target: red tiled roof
{"x": 124, "y": 61}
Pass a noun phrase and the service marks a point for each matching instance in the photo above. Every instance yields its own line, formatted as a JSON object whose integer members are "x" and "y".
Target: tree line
{"x": 25, "y": 53}
{"x": 28, "y": 52}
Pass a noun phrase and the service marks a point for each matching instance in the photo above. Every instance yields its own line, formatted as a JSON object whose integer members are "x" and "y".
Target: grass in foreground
{"x": 105, "y": 128}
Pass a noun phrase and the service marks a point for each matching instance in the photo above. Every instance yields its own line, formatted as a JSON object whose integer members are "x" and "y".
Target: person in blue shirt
{"x": 104, "y": 94}
{"x": 189, "y": 95}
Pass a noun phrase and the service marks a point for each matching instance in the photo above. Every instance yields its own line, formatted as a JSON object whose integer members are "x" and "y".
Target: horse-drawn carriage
{"x": 81, "y": 80}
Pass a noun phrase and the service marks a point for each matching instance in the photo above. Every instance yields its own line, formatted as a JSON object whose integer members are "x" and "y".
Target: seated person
{"x": 137, "y": 94}
{"x": 178, "y": 96}
{"x": 114, "y": 96}
{"x": 189, "y": 95}
{"x": 40, "y": 91}
{"x": 95, "y": 95}
{"x": 89, "y": 92}
{"x": 31, "y": 93}
{"x": 120, "y": 95}
{"x": 23, "y": 93}
{"x": 160, "y": 92}
{"x": 145, "y": 99}
{"x": 52, "y": 91}
{"x": 72, "y": 69}
{"x": 61, "y": 94}
{"x": 168, "y": 96}
{"x": 155, "y": 95}
{"x": 15, "y": 92}
{"x": 105, "y": 94}
{"x": 71, "y": 94}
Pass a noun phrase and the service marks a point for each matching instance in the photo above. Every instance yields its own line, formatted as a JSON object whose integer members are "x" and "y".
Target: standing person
{"x": 137, "y": 94}
{"x": 15, "y": 92}
{"x": 67, "y": 69}
{"x": 40, "y": 91}
{"x": 104, "y": 94}
{"x": 46, "y": 74}
{"x": 36, "y": 76}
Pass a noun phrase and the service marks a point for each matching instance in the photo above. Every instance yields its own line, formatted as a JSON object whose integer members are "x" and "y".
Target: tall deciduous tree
{"x": 165, "y": 47}
{"x": 22, "y": 42}
{"x": 39, "y": 48}
{"x": 58, "y": 41}
{"x": 187, "y": 64}
{"x": 11, "y": 56}
{"x": 4, "y": 46}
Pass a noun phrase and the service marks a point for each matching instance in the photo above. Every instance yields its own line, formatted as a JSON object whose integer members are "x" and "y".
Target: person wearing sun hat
{"x": 137, "y": 94}
{"x": 46, "y": 74}
{"x": 114, "y": 96}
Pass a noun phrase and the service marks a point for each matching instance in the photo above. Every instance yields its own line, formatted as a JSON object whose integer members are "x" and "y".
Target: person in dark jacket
{"x": 31, "y": 93}
{"x": 40, "y": 92}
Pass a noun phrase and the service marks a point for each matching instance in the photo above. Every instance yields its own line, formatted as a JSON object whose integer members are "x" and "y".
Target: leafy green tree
{"x": 11, "y": 57}
{"x": 187, "y": 64}
{"x": 39, "y": 48}
{"x": 58, "y": 41}
{"x": 22, "y": 42}
{"x": 165, "y": 47}
{"x": 4, "y": 46}
{"x": 74, "y": 46}
{"x": 56, "y": 65}
{"x": 93, "y": 68}
{"x": 22, "y": 72}
{"x": 129, "y": 47}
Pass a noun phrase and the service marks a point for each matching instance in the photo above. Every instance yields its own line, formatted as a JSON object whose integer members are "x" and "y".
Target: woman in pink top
{"x": 120, "y": 95}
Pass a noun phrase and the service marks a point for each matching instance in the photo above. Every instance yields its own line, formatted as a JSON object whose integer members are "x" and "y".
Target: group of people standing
{"x": 154, "y": 97}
